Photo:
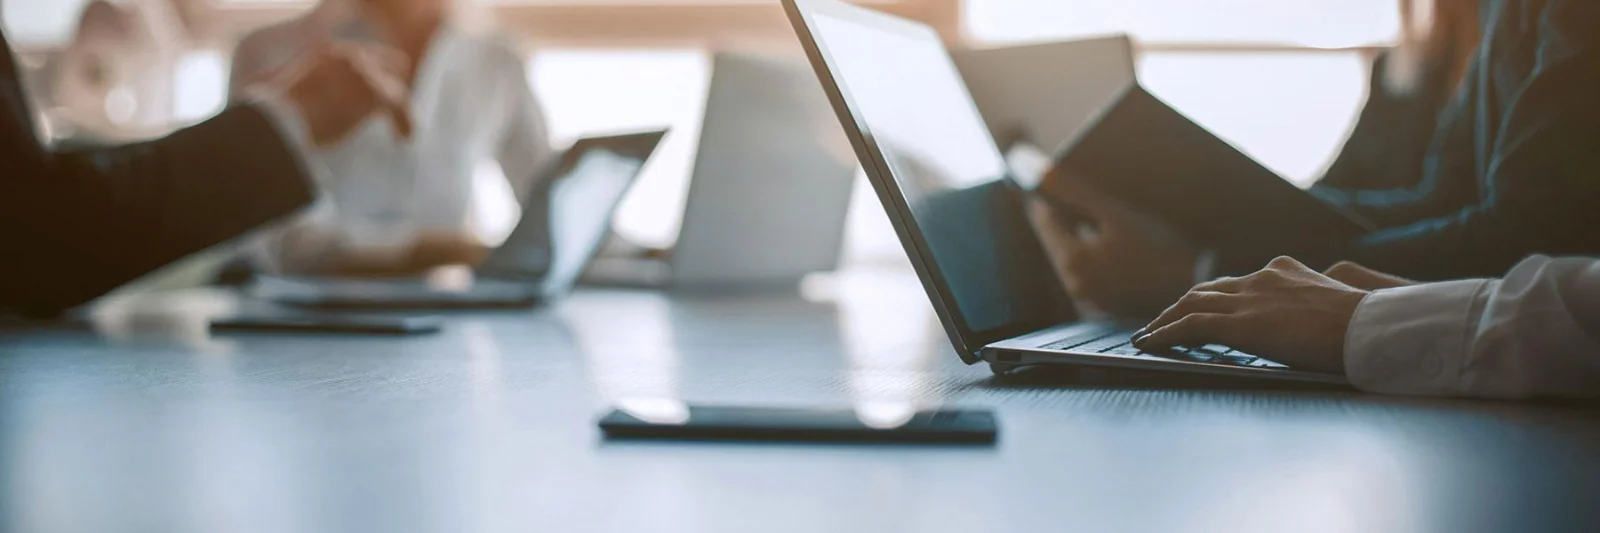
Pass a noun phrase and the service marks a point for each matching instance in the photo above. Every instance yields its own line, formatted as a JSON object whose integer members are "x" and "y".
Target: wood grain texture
{"x": 145, "y": 423}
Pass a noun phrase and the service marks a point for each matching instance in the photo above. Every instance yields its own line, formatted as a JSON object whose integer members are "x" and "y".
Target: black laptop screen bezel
{"x": 969, "y": 343}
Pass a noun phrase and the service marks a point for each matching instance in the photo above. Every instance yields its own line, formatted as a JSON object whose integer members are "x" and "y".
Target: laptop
{"x": 541, "y": 260}
{"x": 771, "y": 185}
{"x": 946, "y": 188}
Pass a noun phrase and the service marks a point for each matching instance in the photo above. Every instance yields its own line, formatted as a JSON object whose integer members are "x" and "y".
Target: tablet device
{"x": 329, "y": 323}
{"x": 775, "y": 424}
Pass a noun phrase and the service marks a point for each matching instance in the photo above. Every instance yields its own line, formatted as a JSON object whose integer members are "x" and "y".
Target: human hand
{"x": 1365, "y": 278}
{"x": 1130, "y": 265}
{"x": 435, "y": 249}
{"x": 426, "y": 252}
{"x": 1286, "y": 312}
{"x": 335, "y": 86}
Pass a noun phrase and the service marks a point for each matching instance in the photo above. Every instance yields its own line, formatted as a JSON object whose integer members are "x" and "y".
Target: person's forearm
{"x": 1478, "y": 242}
{"x": 1531, "y": 334}
{"x": 113, "y": 215}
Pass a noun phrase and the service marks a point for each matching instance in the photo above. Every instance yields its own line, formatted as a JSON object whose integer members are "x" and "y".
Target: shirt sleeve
{"x": 1531, "y": 334}
{"x": 525, "y": 150}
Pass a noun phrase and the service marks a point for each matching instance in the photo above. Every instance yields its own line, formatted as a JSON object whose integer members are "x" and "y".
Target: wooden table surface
{"x": 144, "y": 422}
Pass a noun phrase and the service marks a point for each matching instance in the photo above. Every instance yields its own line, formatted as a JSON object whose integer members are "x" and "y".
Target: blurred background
{"x": 1281, "y": 79}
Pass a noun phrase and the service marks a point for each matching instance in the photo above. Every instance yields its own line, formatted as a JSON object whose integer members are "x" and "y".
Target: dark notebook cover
{"x": 1146, "y": 153}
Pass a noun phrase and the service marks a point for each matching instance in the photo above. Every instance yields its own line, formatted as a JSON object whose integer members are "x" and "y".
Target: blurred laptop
{"x": 542, "y": 259}
{"x": 770, "y": 190}
{"x": 1046, "y": 93}
{"x": 948, "y": 191}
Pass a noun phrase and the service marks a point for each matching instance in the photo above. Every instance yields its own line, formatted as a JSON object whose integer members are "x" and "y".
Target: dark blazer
{"x": 75, "y": 225}
{"x": 1513, "y": 166}
{"x": 1390, "y": 140}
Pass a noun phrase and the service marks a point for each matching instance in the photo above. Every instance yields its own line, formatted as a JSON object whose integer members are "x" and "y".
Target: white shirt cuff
{"x": 1412, "y": 340}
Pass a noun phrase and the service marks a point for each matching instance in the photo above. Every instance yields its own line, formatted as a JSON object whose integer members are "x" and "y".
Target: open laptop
{"x": 771, "y": 186}
{"x": 541, "y": 259}
{"x": 947, "y": 191}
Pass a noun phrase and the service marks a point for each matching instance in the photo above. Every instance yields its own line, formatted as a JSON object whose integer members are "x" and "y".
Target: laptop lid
{"x": 589, "y": 181}
{"x": 936, "y": 169}
{"x": 772, "y": 179}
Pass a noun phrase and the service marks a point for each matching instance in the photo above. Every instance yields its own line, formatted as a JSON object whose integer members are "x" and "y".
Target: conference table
{"x": 137, "y": 419}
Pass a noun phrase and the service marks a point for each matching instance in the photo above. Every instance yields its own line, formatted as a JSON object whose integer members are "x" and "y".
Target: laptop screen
{"x": 911, "y": 104}
{"x": 581, "y": 207}
{"x": 565, "y": 221}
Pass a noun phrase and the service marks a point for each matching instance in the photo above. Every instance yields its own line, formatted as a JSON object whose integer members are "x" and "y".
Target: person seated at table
{"x": 1409, "y": 85}
{"x": 77, "y": 224}
{"x": 400, "y": 207}
{"x": 1533, "y": 333}
{"x": 1513, "y": 169}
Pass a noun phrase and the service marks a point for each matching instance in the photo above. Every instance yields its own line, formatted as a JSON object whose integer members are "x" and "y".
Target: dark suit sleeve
{"x": 1446, "y": 176}
{"x": 1523, "y": 179}
{"x": 76, "y": 225}
{"x": 1542, "y": 173}
{"x": 1386, "y": 149}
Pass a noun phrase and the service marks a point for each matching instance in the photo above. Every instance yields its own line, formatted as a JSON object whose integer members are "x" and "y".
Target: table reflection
{"x": 182, "y": 317}
{"x": 630, "y": 353}
{"x": 889, "y": 347}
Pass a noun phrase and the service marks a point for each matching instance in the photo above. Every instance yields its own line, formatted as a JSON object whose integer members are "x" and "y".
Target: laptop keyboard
{"x": 1112, "y": 341}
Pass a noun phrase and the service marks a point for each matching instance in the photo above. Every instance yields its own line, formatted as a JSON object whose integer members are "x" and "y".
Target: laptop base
{"x": 1006, "y": 361}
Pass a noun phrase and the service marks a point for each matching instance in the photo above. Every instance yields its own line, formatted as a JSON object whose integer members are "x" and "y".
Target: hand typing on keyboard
{"x": 1119, "y": 342}
{"x": 1286, "y": 312}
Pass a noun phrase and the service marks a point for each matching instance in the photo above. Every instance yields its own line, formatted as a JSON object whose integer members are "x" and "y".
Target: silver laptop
{"x": 947, "y": 191}
{"x": 543, "y": 257}
{"x": 771, "y": 186}
{"x": 1045, "y": 93}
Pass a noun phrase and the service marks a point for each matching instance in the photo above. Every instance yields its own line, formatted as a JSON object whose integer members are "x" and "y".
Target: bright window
{"x": 45, "y": 23}
{"x": 1316, "y": 23}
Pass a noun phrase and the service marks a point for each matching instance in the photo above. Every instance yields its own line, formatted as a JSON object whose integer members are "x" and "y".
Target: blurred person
{"x": 1533, "y": 333}
{"x": 1409, "y": 85}
{"x": 77, "y": 224}
{"x": 1512, "y": 169}
{"x": 113, "y": 81}
{"x": 396, "y": 207}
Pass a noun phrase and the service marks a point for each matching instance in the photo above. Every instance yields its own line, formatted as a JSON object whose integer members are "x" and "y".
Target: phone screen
{"x": 805, "y": 425}
{"x": 324, "y": 323}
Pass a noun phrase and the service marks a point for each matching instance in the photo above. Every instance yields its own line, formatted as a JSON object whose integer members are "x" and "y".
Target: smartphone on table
{"x": 328, "y": 323}
{"x": 782, "y": 424}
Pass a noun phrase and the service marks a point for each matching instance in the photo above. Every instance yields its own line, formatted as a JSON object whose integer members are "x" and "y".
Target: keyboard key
{"x": 1236, "y": 358}
{"x": 1204, "y": 356}
{"x": 1102, "y": 344}
{"x": 1123, "y": 349}
{"x": 1079, "y": 339}
{"x": 1263, "y": 363}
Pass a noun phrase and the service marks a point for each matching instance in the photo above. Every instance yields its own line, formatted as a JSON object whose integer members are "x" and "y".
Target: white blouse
{"x": 471, "y": 104}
